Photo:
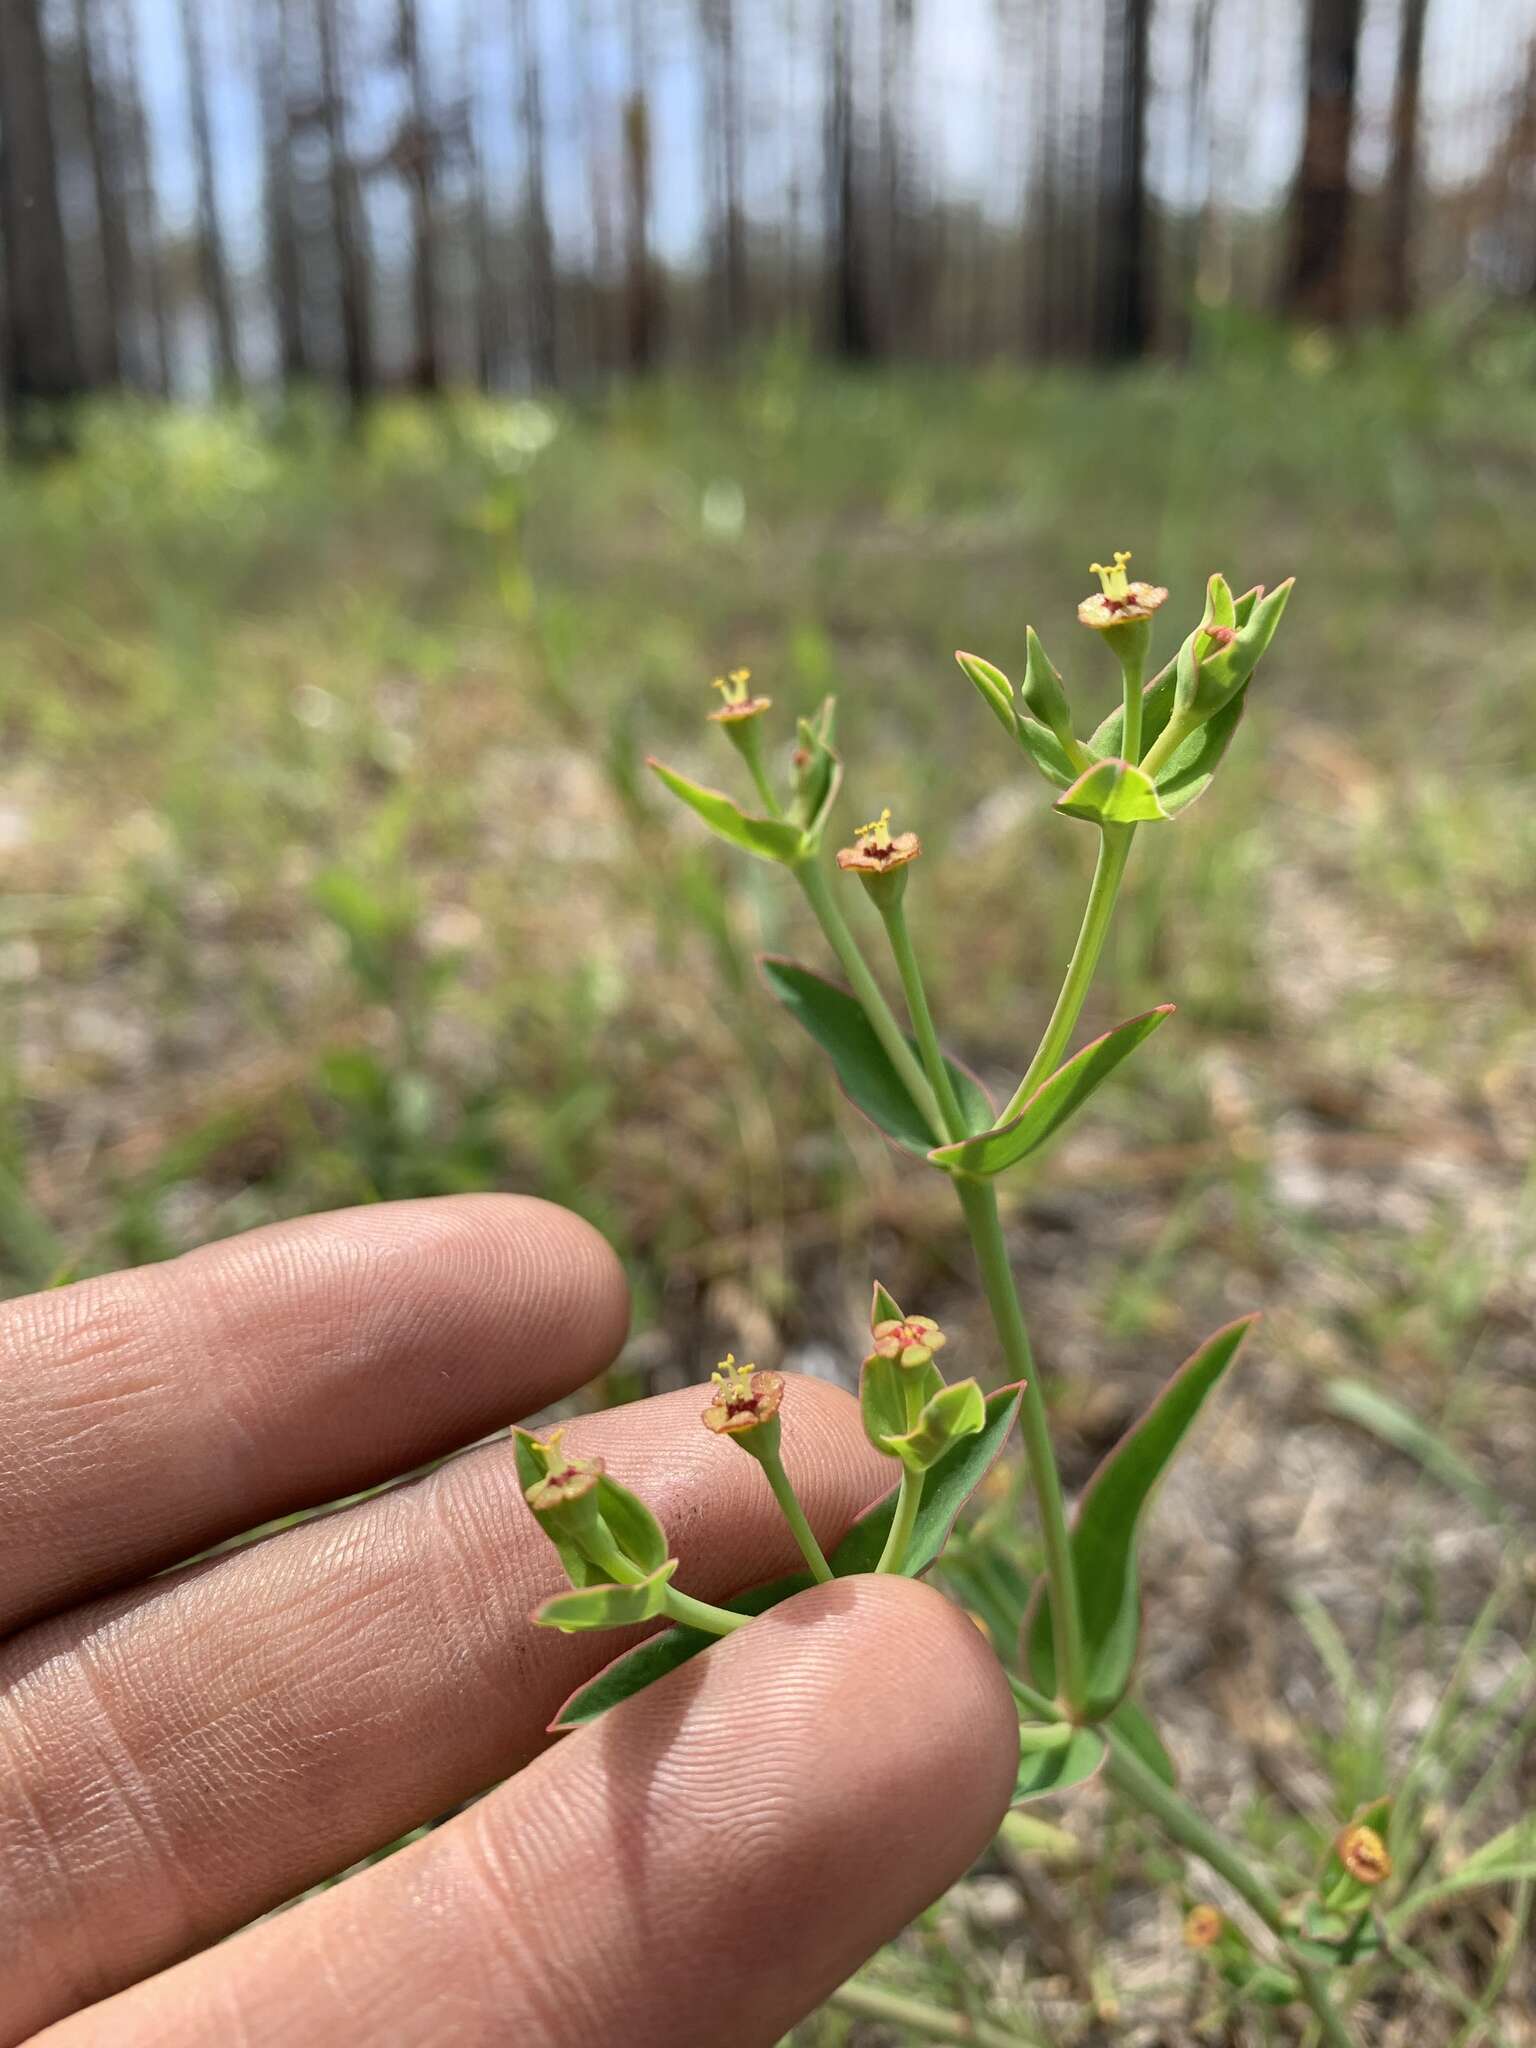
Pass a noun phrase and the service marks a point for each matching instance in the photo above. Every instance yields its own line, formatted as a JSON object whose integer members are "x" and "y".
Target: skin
{"x": 181, "y": 1750}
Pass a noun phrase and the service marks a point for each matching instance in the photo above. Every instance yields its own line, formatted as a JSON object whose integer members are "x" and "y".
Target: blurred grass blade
{"x": 1355, "y": 1401}
{"x": 1509, "y": 1858}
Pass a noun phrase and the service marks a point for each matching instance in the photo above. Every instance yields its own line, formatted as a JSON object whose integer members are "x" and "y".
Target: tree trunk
{"x": 346, "y": 214}
{"x": 1124, "y": 317}
{"x": 109, "y": 186}
{"x": 543, "y": 331}
{"x": 42, "y": 362}
{"x": 1402, "y": 170}
{"x": 282, "y": 226}
{"x": 1317, "y": 274}
{"x": 852, "y": 331}
{"x": 213, "y": 269}
{"x": 144, "y": 215}
{"x": 419, "y": 166}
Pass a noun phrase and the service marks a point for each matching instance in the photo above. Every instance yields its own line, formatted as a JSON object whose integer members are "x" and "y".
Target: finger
{"x": 176, "y": 1759}
{"x": 708, "y": 1862}
{"x": 148, "y": 1414}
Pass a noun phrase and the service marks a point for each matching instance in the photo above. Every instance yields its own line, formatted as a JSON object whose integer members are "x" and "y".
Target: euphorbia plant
{"x": 1073, "y": 1674}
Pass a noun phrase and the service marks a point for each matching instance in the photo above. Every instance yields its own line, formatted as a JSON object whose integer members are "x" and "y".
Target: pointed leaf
{"x": 1046, "y": 751}
{"x": 1056, "y": 1100}
{"x": 993, "y": 687}
{"x": 1112, "y": 793}
{"x": 883, "y": 1398}
{"x": 608, "y": 1606}
{"x": 818, "y": 773}
{"x": 635, "y": 1529}
{"x": 1057, "y": 1769}
{"x": 769, "y": 838}
{"x": 884, "y": 1308}
{"x": 949, "y": 1415}
{"x": 839, "y": 1026}
{"x": 948, "y": 1487}
{"x": 1105, "y": 1528}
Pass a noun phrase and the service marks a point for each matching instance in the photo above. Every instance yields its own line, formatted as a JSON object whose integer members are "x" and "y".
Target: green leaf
{"x": 949, "y": 1486}
{"x": 884, "y": 1308}
{"x": 1058, "y": 1769}
{"x": 1357, "y": 1402}
{"x": 1046, "y": 751}
{"x": 1220, "y": 610}
{"x": 608, "y": 1606}
{"x": 1044, "y": 697}
{"x": 1509, "y": 1858}
{"x": 884, "y": 1396}
{"x": 1105, "y": 1527}
{"x": 839, "y": 1026}
{"x": 950, "y": 1414}
{"x": 1112, "y": 792}
{"x": 1057, "y": 1099}
{"x": 635, "y": 1529}
{"x": 1187, "y": 772}
{"x": 1133, "y": 1724}
{"x": 769, "y": 838}
{"x": 993, "y": 687}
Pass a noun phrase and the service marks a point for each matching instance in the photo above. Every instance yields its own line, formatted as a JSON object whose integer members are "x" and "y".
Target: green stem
{"x": 754, "y": 760}
{"x": 978, "y": 1200}
{"x": 922, "y": 1017}
{"x": 789, "y": 1505}
{"x": 1114, "y": 850}
{"x": 881, "y": 1017}
{"x": 899, "y": 1541}
{"x": 917, "y": 2017}
{"x": 1167, "y": 743}
{"x": 1130, "y": 733}
{"x": 699, "y": 1614}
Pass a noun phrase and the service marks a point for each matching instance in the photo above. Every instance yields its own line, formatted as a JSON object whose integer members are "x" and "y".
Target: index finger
{"x": 148, "y": 1414}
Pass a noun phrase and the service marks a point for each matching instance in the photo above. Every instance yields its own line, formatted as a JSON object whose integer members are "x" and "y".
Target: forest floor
{"x": 334, "y": 874}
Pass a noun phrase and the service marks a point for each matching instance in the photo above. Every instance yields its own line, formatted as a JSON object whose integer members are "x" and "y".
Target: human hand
{"x": 180, "y": 1753}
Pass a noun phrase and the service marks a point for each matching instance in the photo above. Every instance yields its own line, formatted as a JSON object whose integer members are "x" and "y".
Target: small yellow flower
{"x": 744, "y": 1398}
{"x": 1204, "y": 1927}
{"x": 877, "y": 851}
{"x": 1364, "y": 1855}
{"x": 736, "y": 704}
{"x": 566, "y": 1477}
{"x": 912, "y": 1341}
{"x": 1118, "y": 601}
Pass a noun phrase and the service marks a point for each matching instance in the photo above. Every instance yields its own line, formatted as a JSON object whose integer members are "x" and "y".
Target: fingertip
{"x": 563, "y": 1270}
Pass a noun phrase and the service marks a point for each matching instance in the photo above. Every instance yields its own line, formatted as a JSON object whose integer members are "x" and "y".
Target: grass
{"x": 333, "y": 876}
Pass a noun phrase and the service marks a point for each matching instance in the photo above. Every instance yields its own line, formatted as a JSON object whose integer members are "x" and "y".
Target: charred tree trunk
{"x": 1124, "y": 314}
{"x": 419, "y": 161}
{"x": 346, "y": 214}
{"x": 42, "y": 361}
{"x": 542, "y": 317}
{"x": 212, "y": 267}
{"x": 1403, "y": 168}
{"x": 851, "y": 326}
{"x": 143, "y": 214}
{"x": 1317, "y": 274}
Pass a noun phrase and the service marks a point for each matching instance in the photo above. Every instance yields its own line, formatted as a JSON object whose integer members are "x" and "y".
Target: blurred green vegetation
{"x": 333, "y": 875}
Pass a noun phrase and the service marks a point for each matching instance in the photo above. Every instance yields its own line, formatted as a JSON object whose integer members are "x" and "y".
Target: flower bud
{"x": 908, "y": 1340}
{"x": 1364, "y": 1855}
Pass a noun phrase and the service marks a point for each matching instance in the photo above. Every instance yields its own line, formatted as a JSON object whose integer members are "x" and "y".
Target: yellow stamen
{"x": 733, "y": 688}
{"x": 878, "y": 829}
{"x": 731, "y": 1378}
{"x": 1113, "y": 582}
